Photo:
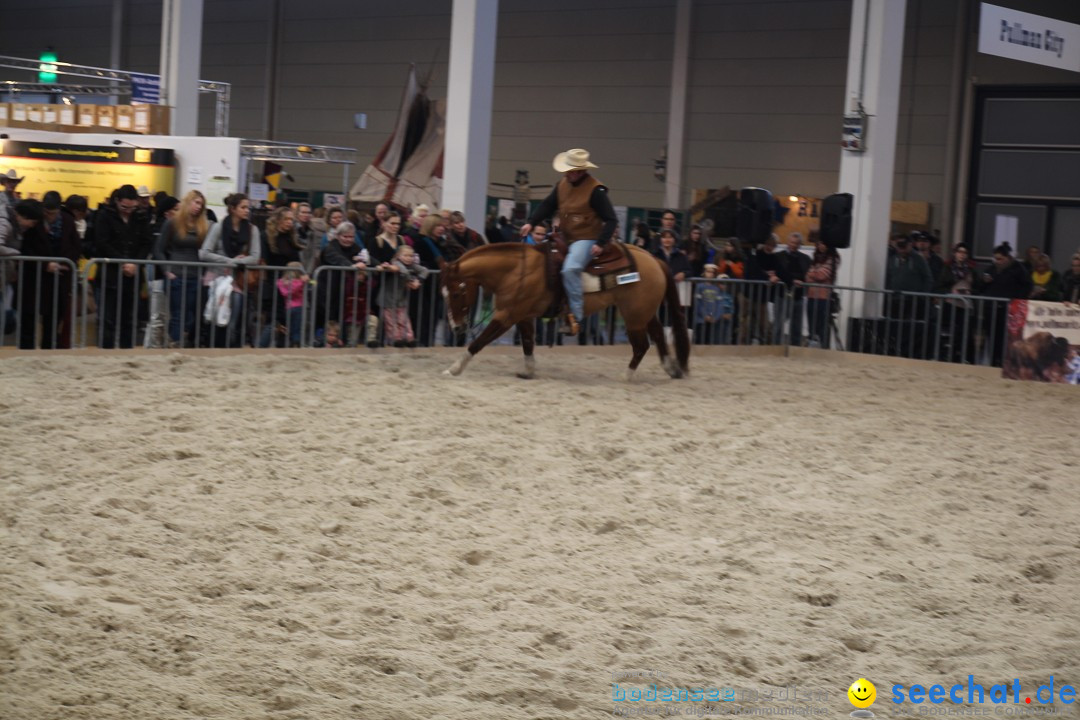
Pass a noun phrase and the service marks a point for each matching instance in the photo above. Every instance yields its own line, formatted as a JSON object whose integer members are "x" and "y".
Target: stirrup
{"x": 570, "y": 325}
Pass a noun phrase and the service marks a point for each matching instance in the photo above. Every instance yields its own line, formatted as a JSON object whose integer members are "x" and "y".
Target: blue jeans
{"x": 576, "y": 259}
{"x": 183, "y": 307}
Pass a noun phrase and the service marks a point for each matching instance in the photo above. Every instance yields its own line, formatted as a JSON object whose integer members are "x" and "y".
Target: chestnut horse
{"x": 514, "y": 274}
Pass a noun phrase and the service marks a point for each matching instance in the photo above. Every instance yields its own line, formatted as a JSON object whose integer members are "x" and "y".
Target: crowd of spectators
{"x": 379, "y": 289}
{"x": 193, "y": 280}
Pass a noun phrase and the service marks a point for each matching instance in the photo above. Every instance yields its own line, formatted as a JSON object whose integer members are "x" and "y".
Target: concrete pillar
{"x": 181, "y": 60}
{"x": 468, "y": 111}
{"x": 680, "y": 62}
{"x": 875, "y": 55}
{"x": 116, "y": 36}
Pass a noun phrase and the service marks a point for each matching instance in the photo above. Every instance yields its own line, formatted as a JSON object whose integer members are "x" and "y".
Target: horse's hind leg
{"x": 639, "y": 341}
{"x": 527, "y": 331}
{"x": 656, "y": 332}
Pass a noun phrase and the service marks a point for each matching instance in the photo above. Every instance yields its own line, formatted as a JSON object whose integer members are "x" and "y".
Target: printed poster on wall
{"x": 89, "y": 170}
{"x": 1043, "y": 342}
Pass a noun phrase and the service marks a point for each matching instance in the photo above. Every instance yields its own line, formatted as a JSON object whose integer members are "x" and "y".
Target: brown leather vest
{"x": 577, "y": 220}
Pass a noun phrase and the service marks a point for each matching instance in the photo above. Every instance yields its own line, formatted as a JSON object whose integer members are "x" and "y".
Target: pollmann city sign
{"x": 1029, "y": 38}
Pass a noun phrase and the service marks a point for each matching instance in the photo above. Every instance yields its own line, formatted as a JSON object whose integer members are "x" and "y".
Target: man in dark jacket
{"x": 122, "y": 232}
{"x": 1006, "y": 278}
{"x": 907, "y": 271}
{"x": 60, "y": 239}
{"x": 924, "y": 246}
{"x": 795, "y": 264}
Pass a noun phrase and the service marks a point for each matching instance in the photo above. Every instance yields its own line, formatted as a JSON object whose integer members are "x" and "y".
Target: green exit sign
{"x": 47, "y": 68}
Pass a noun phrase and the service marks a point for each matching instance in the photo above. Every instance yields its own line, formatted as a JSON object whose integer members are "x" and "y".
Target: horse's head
{"x": 460, "y": 294}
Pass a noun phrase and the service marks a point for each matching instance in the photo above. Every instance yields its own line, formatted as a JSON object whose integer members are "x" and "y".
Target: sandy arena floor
{"x": 350, "y": 535}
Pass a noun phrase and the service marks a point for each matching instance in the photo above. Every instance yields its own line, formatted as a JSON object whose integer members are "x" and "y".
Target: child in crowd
{"x": 292, "y": 286}
{"x": 333, "y": 335}
{"x": 403, "y": 274}
{"x": 538, "y": 235}
{"x": 713, "y": 309}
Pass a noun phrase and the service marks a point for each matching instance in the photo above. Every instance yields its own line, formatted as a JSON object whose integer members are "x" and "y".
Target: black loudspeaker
{"x": 836, "y": 220}
{"x": 754, "y": 222}
{"x": 723, "y": 215}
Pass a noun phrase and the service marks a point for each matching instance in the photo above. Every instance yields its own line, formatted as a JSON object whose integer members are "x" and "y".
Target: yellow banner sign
{"x": 88, "y": 170}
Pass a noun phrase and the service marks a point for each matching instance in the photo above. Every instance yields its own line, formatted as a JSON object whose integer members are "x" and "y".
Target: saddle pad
{"x": 594, "y": 283}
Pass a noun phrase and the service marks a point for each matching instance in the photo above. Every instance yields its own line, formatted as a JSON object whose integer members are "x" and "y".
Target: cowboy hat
{"x": 143, "y": 191}
{"x": 576, "y": 159}
{"x": 12, "y": 176}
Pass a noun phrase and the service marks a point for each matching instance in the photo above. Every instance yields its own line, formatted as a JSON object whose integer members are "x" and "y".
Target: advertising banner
{"x": 1043, "y": 342}
{"x": 89, "y": 170}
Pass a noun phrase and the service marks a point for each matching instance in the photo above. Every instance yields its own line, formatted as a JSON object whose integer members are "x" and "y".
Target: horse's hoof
{"x": 525, "y": 376}
{"x": 630, "y": 375}
{"x": 452, "y": 372}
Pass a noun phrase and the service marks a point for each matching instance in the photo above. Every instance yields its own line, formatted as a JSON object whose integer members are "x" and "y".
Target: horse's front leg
{"x": 527, "y": 331}
{"x": 498, "y": 325}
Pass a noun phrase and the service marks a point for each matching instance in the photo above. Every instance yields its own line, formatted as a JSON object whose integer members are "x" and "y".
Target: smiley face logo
{"x": 862, "y": 693}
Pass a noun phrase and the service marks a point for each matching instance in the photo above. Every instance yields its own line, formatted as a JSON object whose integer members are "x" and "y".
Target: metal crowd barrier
{"x": 149, "y": 303}
{"x": 966, "y": 329}
{"x": 37, "y": 301}
{"x": 348, "y": 308}
{"x": 166, "y": 304}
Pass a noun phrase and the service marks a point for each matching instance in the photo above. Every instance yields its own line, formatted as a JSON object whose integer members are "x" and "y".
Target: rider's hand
{"x": 596, "y": 250}
{"x": 525, "y": 230}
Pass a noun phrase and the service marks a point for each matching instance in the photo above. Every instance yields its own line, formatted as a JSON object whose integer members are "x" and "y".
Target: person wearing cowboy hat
{"x": 144, "y": 199}
{"x": 586, "y": 219}
{"x": 9, "y": 181}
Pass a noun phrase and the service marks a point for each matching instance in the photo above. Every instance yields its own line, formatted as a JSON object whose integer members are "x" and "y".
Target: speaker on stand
{"x": 836, "y": 220}
{"x": 754, "y": 221}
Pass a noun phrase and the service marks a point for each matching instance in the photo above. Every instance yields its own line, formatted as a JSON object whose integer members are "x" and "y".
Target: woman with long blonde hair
{"x": 282, "y": 240}
{"x": 180, "y": 239}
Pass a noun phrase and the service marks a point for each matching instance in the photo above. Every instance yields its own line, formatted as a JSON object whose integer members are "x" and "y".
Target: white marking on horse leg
{"x": 457, "y": 367}
{"x": 630, "y": 373}
{"x": 672, "y": 367}
{"x": 530, "y": 368}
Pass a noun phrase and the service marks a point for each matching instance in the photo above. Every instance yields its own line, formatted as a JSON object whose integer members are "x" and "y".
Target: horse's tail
{"x": 681, "y": 335}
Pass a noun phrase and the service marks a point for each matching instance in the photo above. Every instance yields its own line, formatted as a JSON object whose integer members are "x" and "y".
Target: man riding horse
{"x": 586, "y": 219}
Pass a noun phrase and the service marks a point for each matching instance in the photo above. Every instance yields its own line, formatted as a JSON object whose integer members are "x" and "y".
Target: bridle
{"x": 455, "y": 291}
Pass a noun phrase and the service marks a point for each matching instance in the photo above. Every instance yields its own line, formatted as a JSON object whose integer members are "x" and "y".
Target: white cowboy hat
{"x": 12, "y": 175}
{"x": 576, "y": 159}
{"x": 143, "y": 191}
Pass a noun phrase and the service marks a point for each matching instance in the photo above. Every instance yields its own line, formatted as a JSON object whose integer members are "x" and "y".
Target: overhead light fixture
{"x": 793, "y": 198}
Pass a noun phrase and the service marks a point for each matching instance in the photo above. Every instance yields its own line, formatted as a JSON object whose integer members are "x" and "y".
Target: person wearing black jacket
{"x": 1007, "y": 279}
{"x": 679, "y": 263}
{"x": 754, "y": 298}
{"x": 795, "y": 264}
{"x": 121, "y": 231}
{"x": 45, "y": 288}
{"x": 342, "y": 293}
{"x": 62, "y": 240}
